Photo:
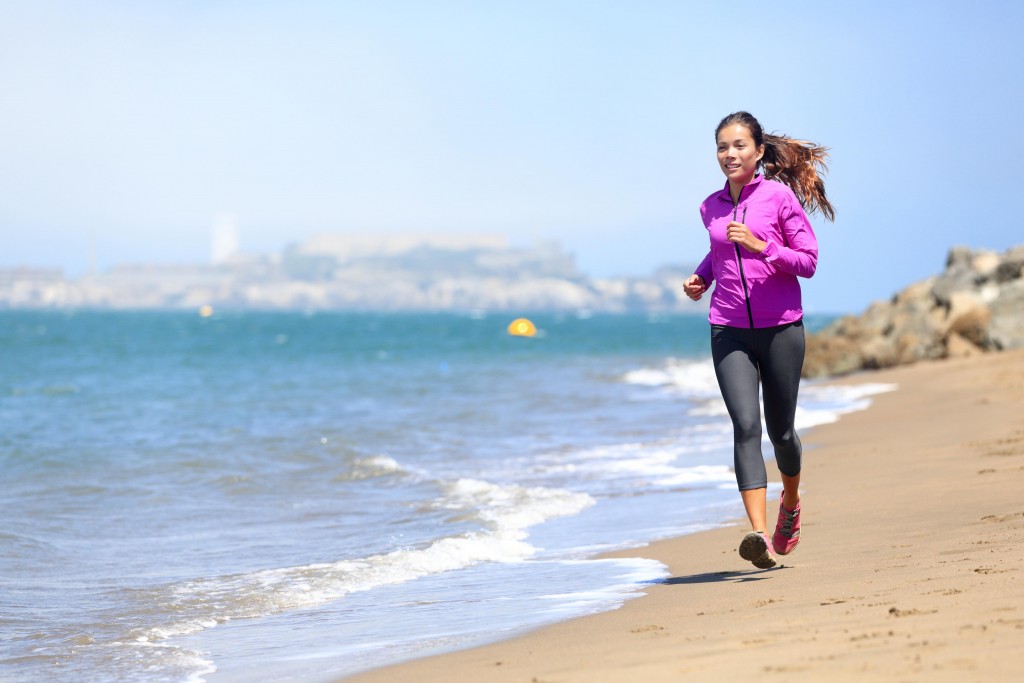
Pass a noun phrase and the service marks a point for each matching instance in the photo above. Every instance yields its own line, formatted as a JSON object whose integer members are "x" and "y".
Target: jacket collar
{"x": 747, "y": 190}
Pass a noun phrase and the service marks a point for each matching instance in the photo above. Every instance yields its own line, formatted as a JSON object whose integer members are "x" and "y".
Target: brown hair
{"x": 799, "y": 164}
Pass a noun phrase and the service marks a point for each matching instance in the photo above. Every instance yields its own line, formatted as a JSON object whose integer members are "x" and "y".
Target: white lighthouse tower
{"x": 225, "y": 242}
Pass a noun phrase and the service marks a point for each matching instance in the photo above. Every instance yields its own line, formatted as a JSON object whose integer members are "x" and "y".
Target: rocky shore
{"x": 976, "y": 305}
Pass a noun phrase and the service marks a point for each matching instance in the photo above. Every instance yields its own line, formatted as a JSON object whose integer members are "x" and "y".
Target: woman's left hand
{"x": 741, "y": 235}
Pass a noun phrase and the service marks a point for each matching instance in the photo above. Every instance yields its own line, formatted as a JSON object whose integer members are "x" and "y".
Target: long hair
{"x": 799, "y": 164}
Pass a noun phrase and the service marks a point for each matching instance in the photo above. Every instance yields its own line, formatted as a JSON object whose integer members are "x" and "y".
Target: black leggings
{"x": 775, "y": 356}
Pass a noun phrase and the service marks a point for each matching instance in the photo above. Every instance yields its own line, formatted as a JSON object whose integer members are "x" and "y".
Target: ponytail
{"x": 798, "y": 164}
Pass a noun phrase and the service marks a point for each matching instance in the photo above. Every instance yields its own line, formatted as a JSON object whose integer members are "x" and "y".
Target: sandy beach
{"x": 909, "y": 568}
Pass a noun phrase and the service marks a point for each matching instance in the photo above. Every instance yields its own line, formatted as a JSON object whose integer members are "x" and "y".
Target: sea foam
{"x": 504, "y": 513}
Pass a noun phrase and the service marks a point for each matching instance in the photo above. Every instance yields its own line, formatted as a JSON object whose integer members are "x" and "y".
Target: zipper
{"x": 739, "y": 261}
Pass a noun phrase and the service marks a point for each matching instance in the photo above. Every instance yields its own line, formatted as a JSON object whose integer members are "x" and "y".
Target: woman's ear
{"x": 760, "y": 152}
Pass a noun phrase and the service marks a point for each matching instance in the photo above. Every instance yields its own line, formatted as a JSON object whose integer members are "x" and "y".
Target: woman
{"x": 761, "y": 242}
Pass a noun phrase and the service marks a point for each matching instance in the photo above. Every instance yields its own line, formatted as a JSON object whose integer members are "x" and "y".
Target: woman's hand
{"x": 740, "y": 234}
{"x": 694, "y": 287}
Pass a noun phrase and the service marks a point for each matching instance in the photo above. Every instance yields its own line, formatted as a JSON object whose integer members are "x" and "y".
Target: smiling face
{"x": 737, "y": 154}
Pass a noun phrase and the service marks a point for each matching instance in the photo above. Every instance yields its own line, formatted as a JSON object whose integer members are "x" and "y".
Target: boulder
{"x": 972, "y": 324}
{"x": 958, "y": 346}
{"x": 975, "y": 305}
{"x": 1006, "y": 330}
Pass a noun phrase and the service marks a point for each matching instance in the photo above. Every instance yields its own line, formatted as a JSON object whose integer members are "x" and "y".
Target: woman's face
{"x": 737, "y": 153}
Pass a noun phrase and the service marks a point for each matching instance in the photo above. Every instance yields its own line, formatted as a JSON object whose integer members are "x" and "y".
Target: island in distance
{"x": 346, "y": 272}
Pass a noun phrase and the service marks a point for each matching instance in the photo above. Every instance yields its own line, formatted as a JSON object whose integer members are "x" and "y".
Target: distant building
{"x": 31, "y": 287}
{"x": 226, "y": 241}
{"x": 334, "y": 257}
{"x": 344, "y": 248}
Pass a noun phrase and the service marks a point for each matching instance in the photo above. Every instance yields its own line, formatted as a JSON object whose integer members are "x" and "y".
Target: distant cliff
{"x": 975, "y": 306}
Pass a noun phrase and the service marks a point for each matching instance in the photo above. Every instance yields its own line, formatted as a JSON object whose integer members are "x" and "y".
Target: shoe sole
{"x": 754, "y": 549}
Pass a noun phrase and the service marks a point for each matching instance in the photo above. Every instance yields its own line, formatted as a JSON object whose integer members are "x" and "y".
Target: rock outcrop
{"x": 975, "y": 306}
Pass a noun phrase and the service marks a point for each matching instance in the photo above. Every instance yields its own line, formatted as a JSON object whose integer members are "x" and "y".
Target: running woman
{"x": 761, "y": 243}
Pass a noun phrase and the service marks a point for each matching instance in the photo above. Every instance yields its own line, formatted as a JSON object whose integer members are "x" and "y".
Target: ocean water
{"x": 297, "y": 497}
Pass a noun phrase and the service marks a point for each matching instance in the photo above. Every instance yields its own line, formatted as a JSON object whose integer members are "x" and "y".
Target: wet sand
{"x": 909, "y": 569}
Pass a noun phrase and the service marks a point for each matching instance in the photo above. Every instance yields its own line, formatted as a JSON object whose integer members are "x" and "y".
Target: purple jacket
{"x": 757, "y": 290}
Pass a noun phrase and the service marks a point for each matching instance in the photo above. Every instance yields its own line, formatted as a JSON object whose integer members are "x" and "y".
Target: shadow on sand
{"x": 719, "y": 577}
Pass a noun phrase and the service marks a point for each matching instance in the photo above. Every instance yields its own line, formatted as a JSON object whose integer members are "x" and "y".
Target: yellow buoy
{"x": 521, "y": 327}
{"x": 205, "y": 310}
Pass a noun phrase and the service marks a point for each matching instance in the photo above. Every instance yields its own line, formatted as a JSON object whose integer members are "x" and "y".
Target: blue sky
{"x": 131, "y": 125}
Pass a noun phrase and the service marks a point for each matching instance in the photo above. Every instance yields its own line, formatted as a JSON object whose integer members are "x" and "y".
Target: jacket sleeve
{"x": 706, "y": 271}
{"x": 799, "y": 254}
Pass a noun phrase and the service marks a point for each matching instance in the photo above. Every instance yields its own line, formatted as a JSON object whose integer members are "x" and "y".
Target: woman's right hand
{"x": 694, "y": 287}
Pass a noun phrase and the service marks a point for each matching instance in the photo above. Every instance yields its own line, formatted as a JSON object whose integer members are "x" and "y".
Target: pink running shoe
{"x": 755, "y": 548}
{"x": 787, "y": 530}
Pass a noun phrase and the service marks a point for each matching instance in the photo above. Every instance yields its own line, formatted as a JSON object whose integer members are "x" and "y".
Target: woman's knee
{"x": 788, "y": 452}
{"x": 785, "y": 440}
{"x": 747, "y": 428}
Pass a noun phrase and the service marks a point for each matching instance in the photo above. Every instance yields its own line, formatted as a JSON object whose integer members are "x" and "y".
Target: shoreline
{"x": 908, "y": 567}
